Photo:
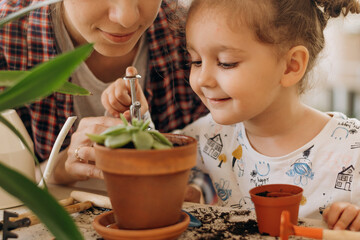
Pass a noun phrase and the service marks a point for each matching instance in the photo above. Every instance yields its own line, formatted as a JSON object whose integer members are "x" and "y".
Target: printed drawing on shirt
{"x": 340, "y": 133}
{"x": 345, "y": 128}
{"x": 237, "y": 154}
{"x": 301, "y": 169}
{"x": 344, "y": 178}
{"x": 213, "y": 146}
{"x": 222, "y": 189}
{"x": 245, "y": 203}
{"x": 356, "y": 145}
{"x": 259, "y": 176}
{"x": 221, "y": 158}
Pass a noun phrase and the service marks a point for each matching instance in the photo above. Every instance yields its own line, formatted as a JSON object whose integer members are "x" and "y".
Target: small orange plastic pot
{"x": 270, "y": 200}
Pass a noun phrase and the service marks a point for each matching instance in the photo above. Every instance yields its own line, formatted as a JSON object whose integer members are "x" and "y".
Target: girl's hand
{"x": 117, "y": 99}
{"x": 342, "y": 215}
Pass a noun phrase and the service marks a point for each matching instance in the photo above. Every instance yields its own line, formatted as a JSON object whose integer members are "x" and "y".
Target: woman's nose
{"x": 124, "y": 12}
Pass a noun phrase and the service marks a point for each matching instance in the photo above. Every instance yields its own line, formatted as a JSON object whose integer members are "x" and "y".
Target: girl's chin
{"x": 223, "y": 120}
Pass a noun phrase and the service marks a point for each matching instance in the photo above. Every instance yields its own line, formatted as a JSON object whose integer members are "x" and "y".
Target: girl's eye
{"x": 196, "y": 63}
{"x": 228, "y": 65}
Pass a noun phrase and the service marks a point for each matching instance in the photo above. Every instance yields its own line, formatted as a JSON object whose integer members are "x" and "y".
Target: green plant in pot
{"x": 146, "y": 173}
{"x": 24, "y": 87}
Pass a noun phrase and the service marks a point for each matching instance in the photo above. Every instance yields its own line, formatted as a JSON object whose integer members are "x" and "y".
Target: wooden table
{"x": 218, "y": 222}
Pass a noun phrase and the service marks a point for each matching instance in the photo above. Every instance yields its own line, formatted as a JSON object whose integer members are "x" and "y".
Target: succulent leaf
{"x": 160, "y": 137}
{"x": 137, "y": 133}
{"x": 159, "y": 145}
{"x": 145, "y": 125}
{"x": 114, "y": 130}
{"x": 142, "y": 140}
{"x": 118, "y": 140}
{"x": 125, "y": 122}
{"x": 99, "y": 139}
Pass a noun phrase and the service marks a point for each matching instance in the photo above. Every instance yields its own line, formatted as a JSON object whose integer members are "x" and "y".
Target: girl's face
{"x": 236, "y": 76}
{"x": 115, "y": 26}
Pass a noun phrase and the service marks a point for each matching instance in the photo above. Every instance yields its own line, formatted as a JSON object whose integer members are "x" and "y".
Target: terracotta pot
{"x": 105, "y": 226}
{"x": 147, "y": 187}
{"x": 270, "y": 200}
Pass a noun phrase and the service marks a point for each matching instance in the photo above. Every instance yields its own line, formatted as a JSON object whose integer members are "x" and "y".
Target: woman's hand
{"x": 80, "y": 162}
{"x": 117, "y": 97}
{"x": 342, "y": 215}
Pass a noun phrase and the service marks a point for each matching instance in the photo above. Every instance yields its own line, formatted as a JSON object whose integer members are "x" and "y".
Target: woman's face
{"x": 115, "y": 26}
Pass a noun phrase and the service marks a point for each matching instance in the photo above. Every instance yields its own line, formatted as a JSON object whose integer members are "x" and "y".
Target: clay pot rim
{"x": 259, "y": 189}
{"x": 175, "y": 229}
{"x": 263, "y": 188}
{"x": 180, "y": 148}
{"x": 148, "y": 162}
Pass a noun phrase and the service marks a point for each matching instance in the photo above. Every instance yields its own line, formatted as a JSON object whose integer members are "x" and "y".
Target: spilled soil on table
{"x": 217, "y": 225}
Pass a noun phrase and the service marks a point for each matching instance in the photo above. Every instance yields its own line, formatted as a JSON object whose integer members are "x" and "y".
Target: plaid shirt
{"x": 26, "y": 42}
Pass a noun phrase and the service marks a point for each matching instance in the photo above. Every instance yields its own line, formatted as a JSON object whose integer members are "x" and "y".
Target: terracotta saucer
{"x": 104, "y": 224}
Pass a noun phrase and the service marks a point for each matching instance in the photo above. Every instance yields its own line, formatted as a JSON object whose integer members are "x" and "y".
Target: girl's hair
{"x": 284, "y": 23}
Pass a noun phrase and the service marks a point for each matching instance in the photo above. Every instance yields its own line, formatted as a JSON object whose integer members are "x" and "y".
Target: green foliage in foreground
{"x": 41, "y": 203}
{"x": 26, "y": 87}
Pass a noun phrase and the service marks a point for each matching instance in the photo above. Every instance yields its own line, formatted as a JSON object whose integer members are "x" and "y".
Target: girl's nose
{"x": 206, "y": 77}
{"x": 124, "y": 12}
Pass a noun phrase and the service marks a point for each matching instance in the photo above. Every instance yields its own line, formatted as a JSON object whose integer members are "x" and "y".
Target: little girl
{"x": 249, "y": 65}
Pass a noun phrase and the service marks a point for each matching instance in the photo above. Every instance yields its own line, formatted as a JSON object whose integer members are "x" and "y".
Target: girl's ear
{"x": 297, "y": 60}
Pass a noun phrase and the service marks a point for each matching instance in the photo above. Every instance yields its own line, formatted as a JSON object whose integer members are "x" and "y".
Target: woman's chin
{"x": 112, "y": 51}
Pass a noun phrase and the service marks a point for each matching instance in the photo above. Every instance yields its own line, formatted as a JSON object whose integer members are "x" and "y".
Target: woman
{"x": 124, "y": 32}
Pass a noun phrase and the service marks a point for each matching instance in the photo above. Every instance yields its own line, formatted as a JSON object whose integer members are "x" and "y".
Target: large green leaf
{"x": 35, "y": 84}
{"x": 10, "y": 78}
{"x": 73, "y": 89}
{"x": 41, "y": 203}
{"x": 26, "y": 10}
{"x": 43, "y": 79}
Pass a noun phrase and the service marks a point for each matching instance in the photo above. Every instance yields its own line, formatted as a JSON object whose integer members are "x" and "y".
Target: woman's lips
{"x": 118, "y": 38}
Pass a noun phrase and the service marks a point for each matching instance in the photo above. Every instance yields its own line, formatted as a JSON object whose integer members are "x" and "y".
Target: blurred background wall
{"x": 337, "y": 75}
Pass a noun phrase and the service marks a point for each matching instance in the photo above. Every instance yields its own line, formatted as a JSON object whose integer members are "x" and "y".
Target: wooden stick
{"x": 66, "y": 201}
{"x": 63, "y": 202}
{"x": 78, "y": 207}
{"x": 96, "y": 199}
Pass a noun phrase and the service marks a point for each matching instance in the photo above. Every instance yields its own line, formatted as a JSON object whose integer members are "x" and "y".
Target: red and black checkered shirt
{"x": 26, "y": 42}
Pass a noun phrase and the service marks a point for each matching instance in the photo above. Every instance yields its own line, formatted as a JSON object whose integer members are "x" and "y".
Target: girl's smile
{"x": 217, "y": 102}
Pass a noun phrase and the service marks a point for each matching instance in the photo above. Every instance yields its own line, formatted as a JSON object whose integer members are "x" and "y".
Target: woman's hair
{"x": 283, "y": 23}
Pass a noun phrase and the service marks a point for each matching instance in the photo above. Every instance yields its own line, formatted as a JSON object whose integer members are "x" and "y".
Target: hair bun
{"x": 333, "y": 8}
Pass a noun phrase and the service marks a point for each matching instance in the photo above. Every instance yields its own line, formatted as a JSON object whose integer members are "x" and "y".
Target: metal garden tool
{"x": 13, "y": 220}
{"x": 135, "y": 104}
{"x": 8, "y": 225}
{"x": 287, "y": 229}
